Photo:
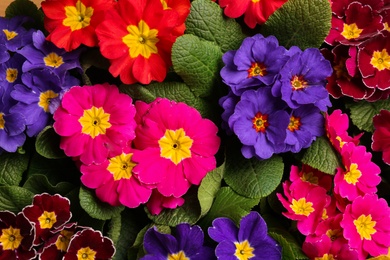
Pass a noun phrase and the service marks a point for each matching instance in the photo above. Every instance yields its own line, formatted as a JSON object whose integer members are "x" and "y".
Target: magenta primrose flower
{"x": 381, "y": 136}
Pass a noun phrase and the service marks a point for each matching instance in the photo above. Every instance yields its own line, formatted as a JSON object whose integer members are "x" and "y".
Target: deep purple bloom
{"x": 4, "y": 54}
{"x": 249, "y": 241}
{"x": 303, "y": 80}
{"x": 260, "y": 122}
{"x": 256, "y": 63}
{"x": 42, "y": 54}
{"x": 228, "y": 103}
{"x": 188, "y": 242}
{"x": 11, "y": 72}
{"x": 14, "y": 35}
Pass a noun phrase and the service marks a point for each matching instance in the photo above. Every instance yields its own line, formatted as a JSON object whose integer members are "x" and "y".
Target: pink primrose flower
{"x": 381, "y": 135}
{"x": 158, "y": 202}
{"x": 310, "y": 176}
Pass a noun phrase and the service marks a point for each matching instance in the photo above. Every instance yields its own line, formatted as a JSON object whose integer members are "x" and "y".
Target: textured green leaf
{"x": 301, "y": 23}
{"x": 189, "y": 212}
{"x": 198, "y": 62}
{"x": 206, "y": 20}
{"x": 253, "y": 178}
{"x": 321, "y": 156}
{"x": 12, "y": 166}
{"x": 290, "y": 247}
{"x": 362, "y": 113}
{"x": 47, "y": 144}
{"x": 96, "y": 208}
{"x": 114, "y": 228}
{"x": 228, "y": 204}
{"x": 38, "y": 183}
{"x": 209, "y": 188}
{"x": 26, "y": 8}
{"x": 14, "y": 198}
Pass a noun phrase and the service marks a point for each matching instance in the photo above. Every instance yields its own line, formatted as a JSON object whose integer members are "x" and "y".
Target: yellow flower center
{"x": 47, "y": 219}
{"x": 353, "y": 175}
{"x": 86, "y": 253}
{"x": 165, "y": 5}
{"x": 309, "y": 177}
{"x": 298, "y": 83}
{"x": 333, "y": 234}
{"x": 11, "y": 75}
{"x": 94, "y": 121}
{"x": 380, "y": 60}
{"x": 341, "y": 141}
{"x": 325, "y": 257}
{"x": 63, "y": 240}
{"x": 301, "y": 207}
{"x": 324, "y": 214}
{"x": 2, "y": 121}
{"x": 141, "y": 40}
{"x": 178, "y": 256}
{"x": 351, "y": 31}
{"x": 53, "y": 60}
{"x": 10, "y": 238}
{"x": 341, "y": 69}
{"x": 45, "y": 99}
{"x": 78, "y": 16}
{"x": 257, "y": 69}
{"x": 386, "y": 26}
{"x": 175, "y": 145}
{"x": 244, "y": 251}
{"x": 365, "y": 226}
{"x": 121, "y": 166}
{"x": 10, "y": 34}
{"x": 255, "y": 1}
{"x": 295, "y": 123}
{"x": 260, "y": 122}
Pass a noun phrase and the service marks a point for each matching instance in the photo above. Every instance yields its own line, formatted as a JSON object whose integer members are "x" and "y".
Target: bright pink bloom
{"x": 177, "y": 146}
{"x": 361, "y": 175}
{"x": 366, "y": 225}
{"x": 381, "y": 135}
{"x": 310, "y": 176}
{"x": 256, "y": 12}
{"x": 115, "y": 181}
{"x": 158, "y": 202}
{"x": 95, "y": 122}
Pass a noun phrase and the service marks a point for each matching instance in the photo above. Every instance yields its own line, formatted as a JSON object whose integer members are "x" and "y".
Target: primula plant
{"x": 195, "y": 129}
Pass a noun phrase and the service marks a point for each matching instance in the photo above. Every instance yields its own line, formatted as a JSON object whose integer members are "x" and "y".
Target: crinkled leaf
{"x": 300, "y": 22}
{"x": 96, "y": 208}
{"x": 253, "y": 178}
{"x": 228, "y": 204}
{"x": 12, "y": 166}
{"x": 209, "y": 188}
{"x": 362, "y": 113}
{"x": 114, "y": 229}
{"x": 14, "y": 198}
{"x": 290, "y": 247}
{"x": 26, "y": 8}
{"x": 198, "y": 62}
{"x": 321, "y": 156}
{"x": 189, "y": 212}
{"x": 206, "y": 20}
{"x": 38, "y": 183}
{"x": 47, "y": 144}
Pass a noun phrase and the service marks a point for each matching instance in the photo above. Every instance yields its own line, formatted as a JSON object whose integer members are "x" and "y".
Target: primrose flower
{"x": 89, "y": 244}
{"x": 14, "y": 35}
{"x": 115, "y": 181}
{"x": 260, "y": 122}
{"x": 158, "y": 202}
{"x": 49, "y": 213}
{"x": 176, "y": 143}
{"x": 94, "y": 122}
{"x": 255, "y": 12}
{"x": 361, "y": 175}
{"x": 249, "y": 240}
{"x": 365, "y": 224}
{"x": 139, "y": 45}
{"x": 381, "y": 136}
{"x": 17, "y": 236}
{"x": 71, "y": 23}
{"x": 310, "y": 176}
{"x": 11, "y": 72}
{"x": 256, "y": 63}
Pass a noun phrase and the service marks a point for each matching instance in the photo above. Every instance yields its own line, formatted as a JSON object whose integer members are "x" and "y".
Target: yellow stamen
{"x": 301, "y": 207}
{"x": 78, "y": 16}
{"x": 244, "y": 251}
{"x": 121, "y": 166}
{"x": 175, "y": 145}
{"x": 94, "y": 121}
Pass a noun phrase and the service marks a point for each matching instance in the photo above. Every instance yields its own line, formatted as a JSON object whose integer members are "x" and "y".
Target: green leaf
{"x": 96, "y": 208}
{"x": 362, "y": 113}
{"x": 114, "y": 228}
{"x": 198, "y": 62}
{"x": 189, "y": 212}
{"x": 208, "y": 189}
{"x": 47, "y": 144}
{"x": 26, "y": 8}
{"x": 206, "y": 20}
{"x": 300, "y": 22}
{"x": 290, "y": 247}
{"x": 38, "y": 183}
{"x": 14, "y": 198}
{"x": 321, "y": 156}
{"x": 253, "y": 178}
{"x": 12, "y": 166}
{"x": 228, "y": 204}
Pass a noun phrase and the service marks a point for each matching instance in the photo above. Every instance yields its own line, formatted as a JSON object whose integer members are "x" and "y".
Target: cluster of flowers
{"x": 360, "y": 43}
{"x": 44, "y": 229}
{"x": 381, "y": 135}
{"x": 352, "y": 222}
{"x": 135, "y": 154}
{"x": 136, "y": 36}
{"x": 248, "y": 241}
{"x": 275, "y": 96}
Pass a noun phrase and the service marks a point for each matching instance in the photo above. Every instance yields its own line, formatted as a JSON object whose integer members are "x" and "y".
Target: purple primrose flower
{"x": 13, "y": 35}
